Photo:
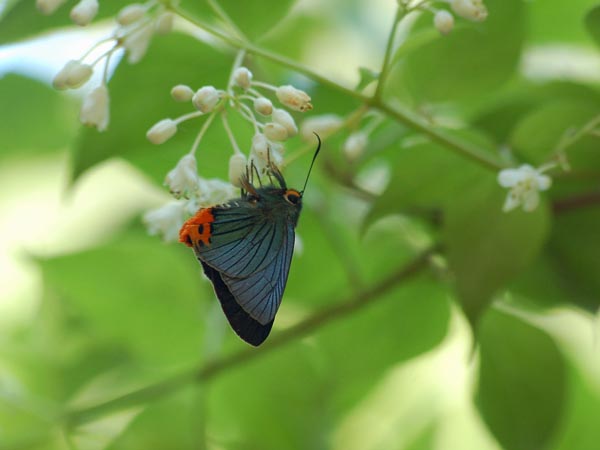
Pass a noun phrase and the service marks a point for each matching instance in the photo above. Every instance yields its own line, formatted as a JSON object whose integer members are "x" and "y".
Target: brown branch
{"x": 578, "y": 201}
{"x": 209, "y": 370}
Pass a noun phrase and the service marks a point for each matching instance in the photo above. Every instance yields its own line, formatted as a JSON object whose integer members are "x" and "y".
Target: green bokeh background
{"x": 493, "y": 346}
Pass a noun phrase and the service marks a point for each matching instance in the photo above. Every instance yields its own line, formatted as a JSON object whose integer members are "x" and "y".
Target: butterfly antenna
{"x": 312, "y": 162}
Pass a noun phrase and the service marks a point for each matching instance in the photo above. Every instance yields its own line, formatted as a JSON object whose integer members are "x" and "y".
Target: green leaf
{"x": 140, "y": 97}
{"x": 522, "y": 382}
{"x": 360, "y": 349}
{"x": 367, "y": 76}
{"x": 536, "y": 136}
{"x": 22, "y": 19}
{"x": 257, "y": 17}
{"x": 592, "y": 23}
{"x": 551, "y": 22}
{"x": 425, "y": 176}
{"x": 136, "y": 291}
{"x": 470, "y": 61}
{"x": 36, "y": 118}
{"x": 487, "y": 247}
{"x": 574, "y": 245}
{"x": 580, "y": 431}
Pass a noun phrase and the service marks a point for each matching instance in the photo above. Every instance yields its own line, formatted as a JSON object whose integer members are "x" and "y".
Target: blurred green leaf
{"x": 579, "y": 430}
{"x": 36, "y": 119}
{"x": 536, "y": 136}
{"x": 522, "y": 382}
{"x": 360, "y": 349}
{"x": 137, "y": 291}
{"x": 22, "y": 19}
{"x": 468, "y": 62}
{"x": 551, "y": 22}
{"x": 257, "y": 17}
{"x": 425, "y": 176}
{"x": 592, "y": 23}
{"x": 140, "y": 97}
{"x": 367, "y": 76}
{"x": 487, "y": 247}
{"x": 574, "y": 245}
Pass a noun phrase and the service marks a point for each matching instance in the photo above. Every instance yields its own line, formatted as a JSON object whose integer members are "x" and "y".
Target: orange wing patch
{"x": 197, "y": 229}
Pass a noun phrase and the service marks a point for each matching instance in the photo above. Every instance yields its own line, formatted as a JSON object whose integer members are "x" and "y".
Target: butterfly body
{"x": 245, "y": 247}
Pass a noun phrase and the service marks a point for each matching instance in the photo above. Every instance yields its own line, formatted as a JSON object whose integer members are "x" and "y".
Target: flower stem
{"x": 385, "y": 67}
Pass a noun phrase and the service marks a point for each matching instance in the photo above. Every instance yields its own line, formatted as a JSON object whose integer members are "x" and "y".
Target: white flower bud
{"x": 275, "y": 132}
{"x": 182, "y": 93}
{"x": 206, "y": 98}
{"x": 131, "y": 13}
{"x": 293, "y": 98}
{"x": 443, "y": 21}
{"x": 183, "y": 179}
{"x": 162, "y": 131}
{"x": 263, "y": 106}
{"x": 473, "y": 10}
{"x": 95, "y": 108}
{"x": 84, "y": 12}
{"x": 323, "y": 125}
{"x": 237, "y": 169}
{"x": 166, "y": 220}
{"x": 213, "y": 192}
{"x": 137, "y": 43}
{"x": 242, "y": 77}
{"x": 285, "y": 119}
{"x": 260, "y": 146}
{"x": 355, "y": 145}
{"x": 47, "y": 7}
{"x": 72, "y": 75}
{"x": 164, "y": 23}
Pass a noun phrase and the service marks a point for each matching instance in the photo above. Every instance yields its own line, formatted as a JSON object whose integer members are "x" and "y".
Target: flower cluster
{"x": 272, "y": 126}
{"x": 136, "y": 24}
{"x": 524, "y": 183}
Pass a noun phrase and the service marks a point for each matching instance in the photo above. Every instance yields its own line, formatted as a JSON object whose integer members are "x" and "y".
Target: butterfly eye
{"x": 292, "y": 197}
{"x": 253, "y": 199}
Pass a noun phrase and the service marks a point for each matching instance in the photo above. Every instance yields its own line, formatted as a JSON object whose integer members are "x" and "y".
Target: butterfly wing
{"x": 247, "y": 257}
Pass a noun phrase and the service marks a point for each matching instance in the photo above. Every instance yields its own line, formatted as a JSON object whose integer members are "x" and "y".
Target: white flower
{"x": 95, "y": 108}
{"x": 206, "y": 98}
{"x": 242, "y": 77}
{"x": 182, "y": 93}
{"x": 262, "y": 151}
{"x": 166, "y": 220}
{"x": 183, "y": 179}
{"x": 213, "y": 191}
{"x": 473, "y": 10}
{"x": 162, "y": 131}
{"x": 137, "y": 42}
{"x": 47, "y": 7}
{"x": 324, "y": 125}
{"x": 275, "y": 132}
{"x": 84, "y": 12}
{"x": 131, "y": 13}
{"x": 73, "y": 75}
{"x": 525, "y": 184}
{"x": 355, "y": 145}
{"x": 443, "y": 21}
{"x": 293, "y": 98}
{"x": 237, "y": 168}
{"x": 263, "y": 106}
{"x": 164, "y": 23}
{"x": 285, "y": 119}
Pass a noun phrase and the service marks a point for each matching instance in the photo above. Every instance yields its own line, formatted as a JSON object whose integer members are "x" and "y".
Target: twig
{"x": 209, "y": 370}
{"x": 578, "y": 201}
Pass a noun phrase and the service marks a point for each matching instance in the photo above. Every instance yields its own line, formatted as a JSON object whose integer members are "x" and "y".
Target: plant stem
{"x": 209, "y": 370}
{"x": 409, "y": 119}
{"x": 385, "y": 67}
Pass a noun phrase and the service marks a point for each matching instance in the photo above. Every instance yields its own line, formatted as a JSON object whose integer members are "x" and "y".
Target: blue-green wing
{"x": 242, "y": 242}
{"x": 260, "y": 293}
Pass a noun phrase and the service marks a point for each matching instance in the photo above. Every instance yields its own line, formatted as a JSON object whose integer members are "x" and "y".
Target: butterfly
{"x": 245, "y": 248}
